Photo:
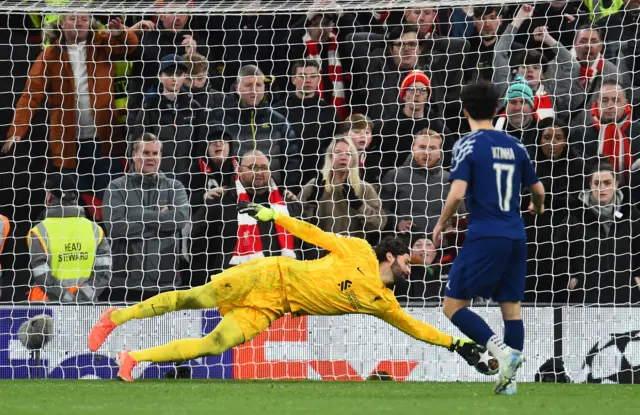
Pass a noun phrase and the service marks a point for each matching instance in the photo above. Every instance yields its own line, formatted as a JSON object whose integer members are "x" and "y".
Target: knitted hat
{"x": 412, "y": 78}
{"x": 519, "y": 88}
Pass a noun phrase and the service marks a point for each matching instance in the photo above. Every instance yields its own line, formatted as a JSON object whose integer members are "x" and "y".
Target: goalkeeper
{"x": 251, "y": 296}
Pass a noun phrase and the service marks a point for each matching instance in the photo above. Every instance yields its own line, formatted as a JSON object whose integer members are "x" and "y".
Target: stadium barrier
{"x": 599, "y": 345}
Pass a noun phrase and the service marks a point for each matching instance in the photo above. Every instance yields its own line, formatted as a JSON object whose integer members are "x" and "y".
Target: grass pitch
{"x": 192, "y": 397}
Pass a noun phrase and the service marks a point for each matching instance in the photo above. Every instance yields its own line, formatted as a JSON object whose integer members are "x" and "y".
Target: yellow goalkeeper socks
{"x": 154, "y": 306}
{"x": 175, "y": 351}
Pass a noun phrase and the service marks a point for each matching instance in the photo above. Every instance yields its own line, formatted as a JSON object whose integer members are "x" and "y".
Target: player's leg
{"x": 509, "y": 293}
{"x": 236, "y": 327}
{"x": 476, "y": 272}
{"x": 224, "y": 290}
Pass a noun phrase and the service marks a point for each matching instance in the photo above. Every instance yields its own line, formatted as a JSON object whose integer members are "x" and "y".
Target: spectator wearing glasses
{"x": 227, "y": 238}
{"x": 416, "y": 114}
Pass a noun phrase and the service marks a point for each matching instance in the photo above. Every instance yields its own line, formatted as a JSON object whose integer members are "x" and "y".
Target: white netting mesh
{"x": 89, "y": 95}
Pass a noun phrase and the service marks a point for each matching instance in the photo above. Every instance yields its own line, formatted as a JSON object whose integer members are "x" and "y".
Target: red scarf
{"x": 248, "y": 242}
{"x": 587, "y": 73}
{"x": 613, "y": 142}
{"x": 542, "y": 105}
{"x": 335, "y": 72}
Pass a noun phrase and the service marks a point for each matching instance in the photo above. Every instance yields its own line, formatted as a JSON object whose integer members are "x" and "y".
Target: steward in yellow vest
{"x": 70, "y": 256}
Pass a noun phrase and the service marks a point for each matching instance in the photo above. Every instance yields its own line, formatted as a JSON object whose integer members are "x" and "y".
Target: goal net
{"x": 134, "y": 129}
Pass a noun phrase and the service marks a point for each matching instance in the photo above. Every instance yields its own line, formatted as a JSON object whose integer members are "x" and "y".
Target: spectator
{"x": 312, "y": 119}
{"x": 611, "y": 131}
{"x": 144, "y": 212}
{"x": 256, "y": 126}
{"x": 561, "y": 171}
{"x": 359, "y": 128}
{"x": 338, "y": 201}
{"x": 478, "y": 63}
{"x": 424, "y": 282}
{"x": 212, "y": 172}
{"x": 197, "y": 82}
{"x": 554, "y": 86}
{"x": 619, "y": 28}
{"x": 379, "y": 72}
{"x": 223, "y": 237}
{"x": 413, "y": 194}
{"x": 70, "y": 255}
{"x": 604, "y": 249}
{"x": 84, "y": 132}
{"x": 594, "y": 71}
{"x": 519, "y": 120}
{"x": 626, "y": 31}
{"x": 415, "y": 115}
{"x": 171, "y": 114}
{"x": 172, "y": 35}
{"x": 321, "y": 45}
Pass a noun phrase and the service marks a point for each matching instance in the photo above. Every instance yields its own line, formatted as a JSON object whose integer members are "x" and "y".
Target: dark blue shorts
{"x": 489, "y": 268}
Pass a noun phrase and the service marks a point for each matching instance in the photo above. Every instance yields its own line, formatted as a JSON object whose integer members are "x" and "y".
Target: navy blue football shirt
{"x": 495, "y": 166}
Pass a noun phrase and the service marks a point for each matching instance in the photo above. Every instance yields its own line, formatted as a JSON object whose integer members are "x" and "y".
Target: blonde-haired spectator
{"x": 339, "y": 201}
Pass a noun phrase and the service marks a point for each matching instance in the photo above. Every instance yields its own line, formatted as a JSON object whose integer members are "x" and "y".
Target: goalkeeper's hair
{"x": 395, "y": 246}
{"x": 481, "y": 100}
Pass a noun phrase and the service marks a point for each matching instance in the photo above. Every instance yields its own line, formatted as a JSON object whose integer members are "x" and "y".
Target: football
{"x": 487, "y": 365}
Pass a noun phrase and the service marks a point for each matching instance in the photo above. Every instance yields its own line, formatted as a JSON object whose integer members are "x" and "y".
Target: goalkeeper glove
{"x": 257, "y": 211}
{"x": 467, "y": 349}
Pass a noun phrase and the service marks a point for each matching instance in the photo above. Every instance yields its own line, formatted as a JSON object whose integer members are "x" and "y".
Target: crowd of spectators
{"x": 160, "y": 124}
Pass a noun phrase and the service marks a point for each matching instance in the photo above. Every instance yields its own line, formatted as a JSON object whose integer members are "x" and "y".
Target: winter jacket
{"x": 548, "y": 234}
{"x": 332, "y": 211}
{"x": 561, "y": 79}
{"x": 215, "y": 230}
{"x": 582, "y": 113}
{"x": 397, "y": 134}
{"x": 51, "y": 80}
{"x": 605, "y": 261}
{"x": 154, "y": 45}
{"x": 314, "y": 122}
{"x": 145, "y": 238}
{"x": 207, "y": 175}
{"x": 586, "y": 140}
{"x": 261, "y": 128}
{"x": 411, "y": 192}
{"x": 180, "y": 125}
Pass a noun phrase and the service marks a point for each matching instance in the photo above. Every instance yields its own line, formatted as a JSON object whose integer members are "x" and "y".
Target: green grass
{"x": 191, "y": 397}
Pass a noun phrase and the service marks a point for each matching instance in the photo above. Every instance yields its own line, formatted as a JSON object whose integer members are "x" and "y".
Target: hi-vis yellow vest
{"x": 72, "y": 248}
{"x": 598, "y": 11}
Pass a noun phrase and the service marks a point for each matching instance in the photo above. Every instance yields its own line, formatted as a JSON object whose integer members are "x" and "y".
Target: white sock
{"x": 497, "y": 347}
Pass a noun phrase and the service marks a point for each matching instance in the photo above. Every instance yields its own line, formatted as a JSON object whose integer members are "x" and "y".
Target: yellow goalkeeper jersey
{"x": 346, "y": 281}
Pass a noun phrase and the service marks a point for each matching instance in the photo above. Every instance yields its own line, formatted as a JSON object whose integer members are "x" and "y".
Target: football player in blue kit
{"x": 489, "y": 168}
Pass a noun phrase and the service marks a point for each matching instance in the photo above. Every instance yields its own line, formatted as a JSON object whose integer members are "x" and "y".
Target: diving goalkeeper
{"x": 351, "y": 279}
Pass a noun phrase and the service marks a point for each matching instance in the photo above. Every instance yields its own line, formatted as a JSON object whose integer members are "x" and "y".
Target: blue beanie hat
{"x": 519, "y": 88}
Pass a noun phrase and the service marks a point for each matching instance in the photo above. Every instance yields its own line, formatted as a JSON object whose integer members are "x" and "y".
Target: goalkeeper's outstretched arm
{"x": 417, "y": 329}
{"x": 303, "y": 230}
